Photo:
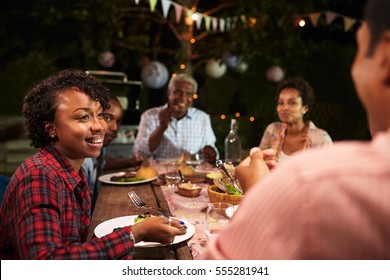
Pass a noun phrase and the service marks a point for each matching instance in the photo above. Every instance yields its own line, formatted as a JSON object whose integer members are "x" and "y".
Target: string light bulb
{"x": 302, "y": 22}
{"x": 182, "y": 66}
{"x": 223, "y": 117}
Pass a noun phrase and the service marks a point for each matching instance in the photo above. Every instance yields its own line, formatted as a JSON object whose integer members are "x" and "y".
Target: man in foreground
{"x": 331, "y": 203}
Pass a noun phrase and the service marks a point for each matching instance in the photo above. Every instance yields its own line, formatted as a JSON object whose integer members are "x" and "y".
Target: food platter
{"x": 108, "y": 226}
{"x": 107, "y": 179}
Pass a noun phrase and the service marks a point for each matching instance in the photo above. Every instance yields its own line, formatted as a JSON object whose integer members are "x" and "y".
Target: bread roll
{"x": 187, "y": 170}
{"x": 146, "y": 172}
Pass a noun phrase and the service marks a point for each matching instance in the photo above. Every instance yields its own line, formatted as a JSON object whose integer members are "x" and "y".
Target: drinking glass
{"x": 172, "y": 176}
{"x": 216, "y": 218}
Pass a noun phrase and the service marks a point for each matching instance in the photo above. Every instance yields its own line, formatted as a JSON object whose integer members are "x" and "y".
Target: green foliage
{"x": 18, "y": 76}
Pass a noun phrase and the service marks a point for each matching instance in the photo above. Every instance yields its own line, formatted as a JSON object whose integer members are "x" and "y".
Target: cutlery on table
{"x": 221, "y": 166}
{"x": 218, "y": 182}
{"x": 181, "y": 177}
{"x": 141, "y": 204}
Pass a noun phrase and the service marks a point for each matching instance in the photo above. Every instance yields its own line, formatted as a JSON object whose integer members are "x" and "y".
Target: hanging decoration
{"x": 154, "y": 75}
{"x": 275, "y": 74}
{"x": 222, "y": 24}
{"x": 242, "y": 67}
{"x": 215, "y": 68}
{"x": 106, "y": 59}
{"x": 232, "y": 61}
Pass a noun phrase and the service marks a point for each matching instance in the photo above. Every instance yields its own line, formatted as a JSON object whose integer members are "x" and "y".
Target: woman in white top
{"x": 295, "y": 131}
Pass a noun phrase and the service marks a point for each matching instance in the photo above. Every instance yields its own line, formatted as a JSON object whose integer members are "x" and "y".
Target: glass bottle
{"x": 233, "y": 144}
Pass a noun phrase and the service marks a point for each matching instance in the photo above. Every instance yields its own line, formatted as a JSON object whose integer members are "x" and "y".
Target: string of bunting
{"x": 218, "y": 24}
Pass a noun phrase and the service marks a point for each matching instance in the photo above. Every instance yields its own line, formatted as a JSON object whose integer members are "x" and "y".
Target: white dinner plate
{"x": 108, "y": 226}
{"x": 107, "y": 179}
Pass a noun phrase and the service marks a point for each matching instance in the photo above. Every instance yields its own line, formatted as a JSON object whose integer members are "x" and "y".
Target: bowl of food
{"x": 211, "y": 176}
{"x": 222, "y": 188}
{"x": 188, "y": 189}
{"x": 217, "y": 195}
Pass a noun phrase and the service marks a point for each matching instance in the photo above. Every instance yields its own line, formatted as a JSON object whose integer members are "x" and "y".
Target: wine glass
{"x": 195, "y": 159}
{"x": 172, "y": 176}
{"x": 216, "y": 218}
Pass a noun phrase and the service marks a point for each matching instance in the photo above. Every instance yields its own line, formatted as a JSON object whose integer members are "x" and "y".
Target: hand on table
{"x": 157, "y": 229}
{"x": 136, "y": 160}
{"x": 255, "y": 167}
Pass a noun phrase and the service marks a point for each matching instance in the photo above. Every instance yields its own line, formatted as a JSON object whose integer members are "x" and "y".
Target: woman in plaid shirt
{"x": 46, "y": 209}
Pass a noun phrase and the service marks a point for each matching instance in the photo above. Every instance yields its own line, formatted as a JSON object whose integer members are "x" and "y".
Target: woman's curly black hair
{"x": 40, "y": 103}
{"x": 305, "y": 92}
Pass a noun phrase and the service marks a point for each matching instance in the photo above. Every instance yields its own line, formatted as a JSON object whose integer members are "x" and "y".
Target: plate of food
{"x": 108, "y": 226}
{"x": 124, "y": 178}
{"x": 143, "y": 175}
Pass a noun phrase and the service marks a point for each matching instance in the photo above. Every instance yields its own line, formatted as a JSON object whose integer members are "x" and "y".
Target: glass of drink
{"x": 216, "y": 218}
{"x": 172, "y": 176}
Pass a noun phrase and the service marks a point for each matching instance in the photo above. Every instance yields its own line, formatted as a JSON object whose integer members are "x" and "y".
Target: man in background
{"x": 175, "y": 128}
{"x": 94, "y": 168}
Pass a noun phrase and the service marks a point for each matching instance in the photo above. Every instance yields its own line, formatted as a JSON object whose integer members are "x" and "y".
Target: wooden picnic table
{"x": 113, "y": 202}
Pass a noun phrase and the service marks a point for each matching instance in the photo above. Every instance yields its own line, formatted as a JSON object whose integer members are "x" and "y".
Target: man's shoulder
{"x": 344, "y": 158}
{"x": 154, "y": 109}
{"x": 195, "y": 112}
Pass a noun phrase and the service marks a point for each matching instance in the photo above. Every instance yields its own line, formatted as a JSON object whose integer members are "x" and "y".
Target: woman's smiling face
{"x": 289, "y": 107}
{"x": 79, "y": 125}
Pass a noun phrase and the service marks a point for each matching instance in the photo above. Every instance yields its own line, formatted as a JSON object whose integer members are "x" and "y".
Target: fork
{"x": 141, "y": 204}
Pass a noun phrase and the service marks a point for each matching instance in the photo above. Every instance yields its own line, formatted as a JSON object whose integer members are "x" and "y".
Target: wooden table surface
{"x": 113, "y": 202}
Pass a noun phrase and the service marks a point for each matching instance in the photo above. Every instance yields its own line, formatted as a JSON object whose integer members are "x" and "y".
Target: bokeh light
{"x": 252, "y": 119}
{"x": 223, "y": 117}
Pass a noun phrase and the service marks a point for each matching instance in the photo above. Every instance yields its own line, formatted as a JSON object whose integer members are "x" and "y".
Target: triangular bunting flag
{"x": 214, "y": 22}
{"x": 152, "y": 4}
{"x": 222, "y": 24}
{"x": 243, "y": 19}
{"x": 228, "y": 24}
{"x": 207, "y": 21}
{"x": 188, "y": 17}
{"x": 330, "y": 17}
{"x": 314, "y": 17}
{"x": 281, "y": 21}
{"x": 348, "y": 23}
{"x": 234, "y": 22}
{"x": 178, "y": 11}
{"x": 199, "y": 20}
{"x": 166, "y": 4}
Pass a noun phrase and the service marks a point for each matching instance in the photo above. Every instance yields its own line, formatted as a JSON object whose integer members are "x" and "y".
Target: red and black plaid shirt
{"x": 46, "y": 213}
